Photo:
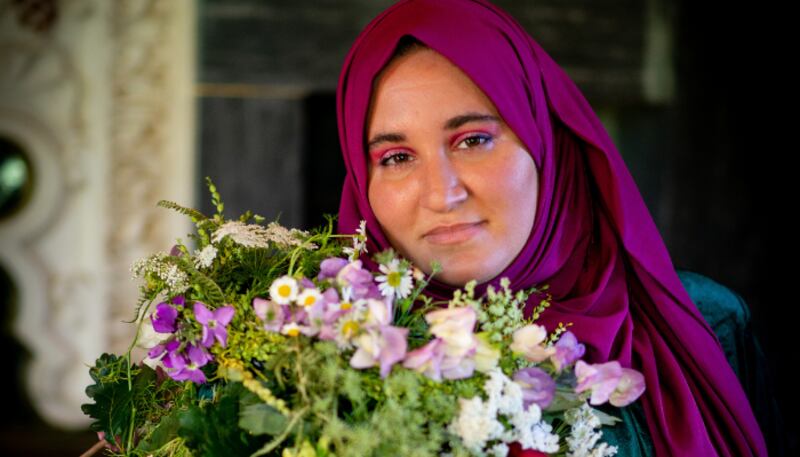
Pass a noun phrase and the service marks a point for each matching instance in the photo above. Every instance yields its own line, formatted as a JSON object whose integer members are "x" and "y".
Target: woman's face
{"x": 448, "y": 179}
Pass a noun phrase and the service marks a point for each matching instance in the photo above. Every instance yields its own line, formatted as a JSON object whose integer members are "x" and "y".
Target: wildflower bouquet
{"x": 274, "y": 341}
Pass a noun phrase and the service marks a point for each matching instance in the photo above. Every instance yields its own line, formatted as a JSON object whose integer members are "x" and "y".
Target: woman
{"x": 480, "y": 127}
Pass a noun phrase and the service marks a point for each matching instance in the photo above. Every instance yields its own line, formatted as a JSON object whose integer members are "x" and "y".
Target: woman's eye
{"x": 394, "y": 159}
{"x": 475, "y": 140}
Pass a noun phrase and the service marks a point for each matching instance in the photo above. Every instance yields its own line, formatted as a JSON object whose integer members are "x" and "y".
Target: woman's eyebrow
{"x": 458, "y": 121}
{"x": 451, "y": 124}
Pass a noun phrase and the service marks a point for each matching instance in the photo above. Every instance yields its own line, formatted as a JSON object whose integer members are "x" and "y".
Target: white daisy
{"x": 359, "y": 242}
{"x": 347, "y": 328}
{"x": 348, "y": 304}
{"x": 283, "y": 290}
{"x": 394, "y": 281}
{"x": 291, "y": 329}
{"x": 309, "y": 297}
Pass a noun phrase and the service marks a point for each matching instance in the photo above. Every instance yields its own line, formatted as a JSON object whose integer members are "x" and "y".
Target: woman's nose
{"x": 443, "y": 188}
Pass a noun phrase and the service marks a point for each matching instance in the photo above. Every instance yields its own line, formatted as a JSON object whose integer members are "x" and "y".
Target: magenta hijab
{"x": 593, "y": 240}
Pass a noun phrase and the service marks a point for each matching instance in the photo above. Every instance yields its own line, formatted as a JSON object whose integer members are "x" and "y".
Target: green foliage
{"x": 212, "y": 429}
{"x": 165, "y": 432}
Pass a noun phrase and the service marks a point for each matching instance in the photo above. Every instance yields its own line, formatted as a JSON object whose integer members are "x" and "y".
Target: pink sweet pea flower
{"x": 630, "y": 387}
{"x": 458, "y": 367}
{"x": 454, "y": 327}
{"x": 601, "y": 379}
{"x": 214, "y": 323}
{"x": 272, "y": 313}
{"x": 379, "y": 313}
{"x": 427, "y": 359}
{"x": 385, "y": 347}
{"x": 528, "y": 342}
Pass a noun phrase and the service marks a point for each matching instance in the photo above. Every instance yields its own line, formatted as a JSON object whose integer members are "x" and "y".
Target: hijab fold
{"x": 593, "y": 240}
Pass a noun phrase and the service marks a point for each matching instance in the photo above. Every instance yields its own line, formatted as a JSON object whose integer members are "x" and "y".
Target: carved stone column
{"x": 101, "y": 101}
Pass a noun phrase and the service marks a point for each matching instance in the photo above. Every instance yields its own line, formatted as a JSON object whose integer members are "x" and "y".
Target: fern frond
{"x": 210, "y": 289}
{"x": 196, "y": 215}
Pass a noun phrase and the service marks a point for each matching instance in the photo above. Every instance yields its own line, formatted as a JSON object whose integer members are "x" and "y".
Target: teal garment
{"x": 729, "y": 317}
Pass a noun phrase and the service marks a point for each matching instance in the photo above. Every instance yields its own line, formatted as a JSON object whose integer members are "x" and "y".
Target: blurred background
{"x": 107, "y": 107}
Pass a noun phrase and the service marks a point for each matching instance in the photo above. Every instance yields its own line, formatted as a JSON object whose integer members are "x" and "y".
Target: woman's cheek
{"x": 393, "y": 203}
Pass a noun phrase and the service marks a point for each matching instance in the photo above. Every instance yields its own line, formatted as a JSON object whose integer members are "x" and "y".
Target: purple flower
{"x": 173, "y": 359}
{"x": 156, "y": 351}
{"x": 191, "y": 362}
{"x": 537, "y": 386}
{"x": 568, "y": 350}
{"x": 214, "y": 323}
{"x": 330, "y": 267}
{"x": 165, "y": 318}
{"x": 179, "y": 300}
{"x": 360, "y": 281}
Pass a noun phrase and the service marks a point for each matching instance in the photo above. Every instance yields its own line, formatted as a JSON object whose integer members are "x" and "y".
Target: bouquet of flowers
{"x": 273, "y": 341}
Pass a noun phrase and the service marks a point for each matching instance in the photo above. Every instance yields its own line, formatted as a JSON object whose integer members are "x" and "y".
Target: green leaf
{"x": 166, "y": 431}
{"x": 565, "y": 400}
{"x": 111, "y": 410}
{"x": 606, "y": 419}
{"x": 113, "y": 400}
{"x": 260, "y": 418}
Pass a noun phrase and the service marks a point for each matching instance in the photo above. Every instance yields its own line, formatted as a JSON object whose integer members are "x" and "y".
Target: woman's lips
{"x": 454, "y": 234}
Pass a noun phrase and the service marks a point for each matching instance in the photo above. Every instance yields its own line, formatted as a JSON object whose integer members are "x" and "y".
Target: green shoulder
{"x": 724, "y": 310}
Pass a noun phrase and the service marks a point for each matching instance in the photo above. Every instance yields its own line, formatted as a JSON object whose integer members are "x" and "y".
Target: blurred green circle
{"x": 15, "y": 178}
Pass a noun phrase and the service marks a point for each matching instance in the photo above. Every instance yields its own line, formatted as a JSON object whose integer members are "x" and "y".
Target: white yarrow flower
{"x": 176, "y": 279}
{"x": 499, "y": 450}
{"x": 583, "y": 437}
{"x": 257, "y": 236}
{"x": 478, "y": 426}
{"x": 205, "y": 257}
{"x": 161, "y": 265}
{"x": 475, "y": 425}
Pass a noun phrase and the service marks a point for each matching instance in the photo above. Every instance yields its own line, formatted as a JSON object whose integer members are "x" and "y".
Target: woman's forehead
{"x": 424, "y": 83}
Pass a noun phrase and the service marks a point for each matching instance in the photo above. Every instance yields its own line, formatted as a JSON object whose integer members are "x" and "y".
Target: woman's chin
{"x": 459, "y": 273}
